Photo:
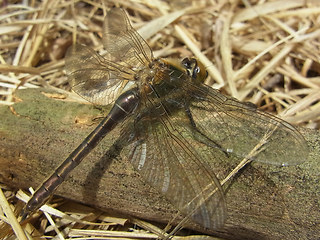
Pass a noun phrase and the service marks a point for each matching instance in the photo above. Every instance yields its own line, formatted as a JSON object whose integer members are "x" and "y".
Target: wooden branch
{"x": 38, "y": 132}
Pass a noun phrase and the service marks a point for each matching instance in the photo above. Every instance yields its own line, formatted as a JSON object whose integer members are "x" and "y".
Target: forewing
{"x": 170, "y": 160}
{"x": 241, "y": 129}
{"x": 94, "y": 77}
{"x": 123, "y": 42}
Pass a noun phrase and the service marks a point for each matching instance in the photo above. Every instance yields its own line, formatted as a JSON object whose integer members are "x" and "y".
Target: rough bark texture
{"x": 264, "y": 202}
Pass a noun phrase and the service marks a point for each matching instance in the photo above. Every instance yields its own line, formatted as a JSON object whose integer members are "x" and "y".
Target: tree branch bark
{"x": 39, "y": 131}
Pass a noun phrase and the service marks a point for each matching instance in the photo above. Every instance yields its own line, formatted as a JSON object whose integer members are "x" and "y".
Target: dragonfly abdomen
{"x": 124, "y": 105}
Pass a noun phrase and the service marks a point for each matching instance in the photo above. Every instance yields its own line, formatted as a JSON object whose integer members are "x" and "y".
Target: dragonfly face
{"x": 172, "y": 124}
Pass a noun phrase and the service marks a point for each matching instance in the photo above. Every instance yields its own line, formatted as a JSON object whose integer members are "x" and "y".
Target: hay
{"x": 266, "y": 52}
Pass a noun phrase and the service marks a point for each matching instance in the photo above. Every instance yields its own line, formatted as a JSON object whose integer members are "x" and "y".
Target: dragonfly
{"x": 172, "y": 126}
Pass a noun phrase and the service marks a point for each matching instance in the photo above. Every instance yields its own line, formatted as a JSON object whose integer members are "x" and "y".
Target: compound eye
{"x": 195, "y": 72}
{"x": 186, "y": 63}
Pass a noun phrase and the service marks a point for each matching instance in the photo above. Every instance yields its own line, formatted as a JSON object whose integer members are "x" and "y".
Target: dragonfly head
{"x": 195, "y": 69}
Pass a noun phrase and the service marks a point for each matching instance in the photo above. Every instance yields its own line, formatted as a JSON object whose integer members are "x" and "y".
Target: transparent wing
{"x": 173, "y": 162}
{"x": 241, "y": 129}
{"x": 94, "y": 77}
{"x": 123, "y": 42}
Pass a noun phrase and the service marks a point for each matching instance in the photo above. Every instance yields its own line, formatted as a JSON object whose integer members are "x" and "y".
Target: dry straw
{"x": 266, "y": 52}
